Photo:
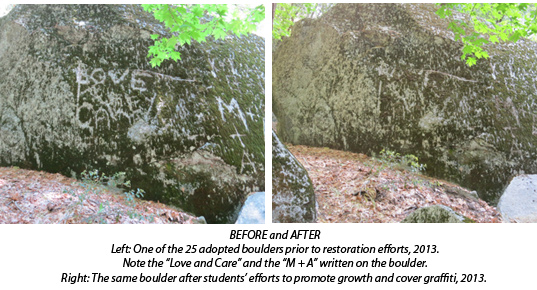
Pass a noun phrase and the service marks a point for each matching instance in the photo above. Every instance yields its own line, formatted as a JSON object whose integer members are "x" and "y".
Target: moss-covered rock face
{"x": 77, "y": 92}
{"x": 436, "y": 214}
{"x": 293, "y": 198}
{"x": 370, "y": 76}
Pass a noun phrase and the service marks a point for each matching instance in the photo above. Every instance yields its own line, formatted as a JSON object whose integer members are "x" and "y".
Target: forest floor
{"x": 38, "y": 197}
{"x": 355, "y": 188}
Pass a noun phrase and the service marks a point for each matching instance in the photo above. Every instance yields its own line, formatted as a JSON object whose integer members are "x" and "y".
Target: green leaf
{"x": 184, "y": 22}
{"x": 471, "y": 61}
{"x": 219, "y": 34}
{"x": 515, "y": 36}
{"x": 489, "y": 23}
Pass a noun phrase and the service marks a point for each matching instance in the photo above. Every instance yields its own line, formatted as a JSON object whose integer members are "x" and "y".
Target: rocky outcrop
{"x": 253, "y": 210}
{"x": 77, "y": 92}
{"x": 436, "y": 214}
{"x": 293, "y": 198}
{"x": 519, "y": 200}
{"x": 364, "y": 77}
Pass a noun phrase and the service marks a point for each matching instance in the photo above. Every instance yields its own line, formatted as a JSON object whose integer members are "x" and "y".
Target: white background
{"x": 35, "y": 256}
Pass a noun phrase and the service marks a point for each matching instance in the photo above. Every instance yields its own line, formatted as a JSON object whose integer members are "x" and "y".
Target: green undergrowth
{"x": 395, "y": 160}
{"x": 93, "y": 183}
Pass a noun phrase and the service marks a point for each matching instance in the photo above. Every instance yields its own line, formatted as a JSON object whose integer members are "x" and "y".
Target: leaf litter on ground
{"x": 354, "y": 188}
{"x": 36, "y": 197}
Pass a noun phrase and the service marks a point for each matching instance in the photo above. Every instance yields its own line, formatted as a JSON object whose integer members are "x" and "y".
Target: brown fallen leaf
{"x": 15, "y": 196}
{"x": 28, "y": 196}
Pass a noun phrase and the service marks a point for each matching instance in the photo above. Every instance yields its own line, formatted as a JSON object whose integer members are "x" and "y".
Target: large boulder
{"x": 293, "y": 198}
{"x": 367, "y": 76}
{"x": 77, "y": 92}
{"x": 519, "y": 200}
{"x": 436, "y": 214}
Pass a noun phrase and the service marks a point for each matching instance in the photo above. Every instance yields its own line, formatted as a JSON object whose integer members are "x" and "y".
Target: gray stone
{"x": 77, "y": 93}
{"x": 436, "y": 214}
{"x": 368, "y": 76}
{"x": 519, "y": 200}
{"x": 253, "y": 210}
{"x": 293, "y": 198}
{"x": 199, "y": 220}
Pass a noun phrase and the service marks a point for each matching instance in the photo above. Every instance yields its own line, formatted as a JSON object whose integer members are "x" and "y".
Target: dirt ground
{"x": 33, "y": 197}
{"x": 354, "y": 188}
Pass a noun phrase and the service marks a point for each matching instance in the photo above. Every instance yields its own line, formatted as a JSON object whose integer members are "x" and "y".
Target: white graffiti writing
{"x": 233, "y": 107}
{"x": 101, "y": 105}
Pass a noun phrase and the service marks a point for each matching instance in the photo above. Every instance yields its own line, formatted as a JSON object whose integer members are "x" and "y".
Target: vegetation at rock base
{"x": 187, "y": 22}
{"x": 409, "y": 161}
{"x": 93, "y": 182}
{"x": 489, "y": 23}
{"x": 38, "y": 197}
{"x": 351, "y": 187}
